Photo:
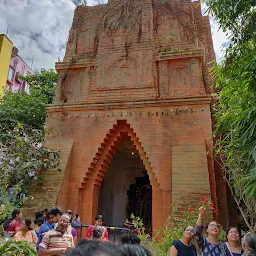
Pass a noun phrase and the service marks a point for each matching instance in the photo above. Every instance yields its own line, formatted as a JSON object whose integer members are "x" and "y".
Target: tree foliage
{"x": 42, "y": 84}
{"x": 24, "y": 156}
{"x": 11, "y": 247}
{"x": 237, "y": 18}
{"x": 235, "y": 111}
{"x": 20, "y": 107}
{"x": 28, "y": 109}
{"x": 22, "y": 151}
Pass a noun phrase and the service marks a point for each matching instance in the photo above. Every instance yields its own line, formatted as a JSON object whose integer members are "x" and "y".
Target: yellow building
{"x": 5, "y": 57}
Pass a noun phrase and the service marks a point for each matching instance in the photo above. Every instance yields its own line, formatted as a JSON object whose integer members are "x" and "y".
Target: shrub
{"x": 19, "y": 248}
{"x": 139, "y": 229}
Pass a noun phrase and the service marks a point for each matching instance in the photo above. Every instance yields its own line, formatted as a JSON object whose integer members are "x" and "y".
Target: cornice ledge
{"x": 61, "y": 65}
{"x": 200, "y": 100}
{"x": 181, "y": 54}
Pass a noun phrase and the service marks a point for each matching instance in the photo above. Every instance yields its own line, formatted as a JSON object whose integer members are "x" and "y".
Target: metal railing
{"x": 112, "y": 231}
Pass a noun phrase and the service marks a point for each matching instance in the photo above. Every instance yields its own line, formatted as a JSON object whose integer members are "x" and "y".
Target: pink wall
{"x": 19, "y": 67}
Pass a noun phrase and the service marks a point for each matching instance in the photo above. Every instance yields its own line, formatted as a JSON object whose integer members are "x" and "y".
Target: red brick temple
{"x": 132, "y": 112}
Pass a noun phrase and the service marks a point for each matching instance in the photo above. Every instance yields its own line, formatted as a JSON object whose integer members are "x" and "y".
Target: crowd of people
{"x": 210, "y": 245}
{"x": 56, "y": 233}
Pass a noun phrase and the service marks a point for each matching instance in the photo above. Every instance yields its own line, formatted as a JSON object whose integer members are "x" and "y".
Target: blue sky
{"x": 39, "y": 29}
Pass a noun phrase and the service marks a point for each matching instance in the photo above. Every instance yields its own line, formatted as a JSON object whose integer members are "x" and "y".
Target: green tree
{"x": 22, "y": 157}
{"x": 22, "y": 151}
{"x": 28, "y": 109}
{"x": 42, "y": 84}
{"x": 236, "y": 18}
{"x": 235, "y": 111}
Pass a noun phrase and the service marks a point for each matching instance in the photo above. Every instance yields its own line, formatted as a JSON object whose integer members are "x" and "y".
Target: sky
{"x": 39, "y": 29}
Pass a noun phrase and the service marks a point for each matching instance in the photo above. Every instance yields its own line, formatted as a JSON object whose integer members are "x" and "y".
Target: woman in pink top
{"x": 26, "y": 233}
{"x": 14, "y": 224}
{"x": 98, "y": 222}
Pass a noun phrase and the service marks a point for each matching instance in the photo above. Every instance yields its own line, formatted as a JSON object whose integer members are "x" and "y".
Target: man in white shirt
{"x": 56, "y": 242}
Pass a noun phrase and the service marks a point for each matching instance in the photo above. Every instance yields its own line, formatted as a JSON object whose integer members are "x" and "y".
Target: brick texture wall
{"x": 136, "y": 68}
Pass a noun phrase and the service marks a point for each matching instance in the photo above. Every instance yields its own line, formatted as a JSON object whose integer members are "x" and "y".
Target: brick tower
{"x": 133, "y": 101}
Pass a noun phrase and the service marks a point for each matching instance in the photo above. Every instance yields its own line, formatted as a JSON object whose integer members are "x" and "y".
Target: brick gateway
{"x": 135, "y": 71}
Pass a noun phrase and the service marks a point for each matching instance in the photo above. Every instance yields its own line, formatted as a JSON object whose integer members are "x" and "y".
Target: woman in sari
{"x": 26, "y": 233}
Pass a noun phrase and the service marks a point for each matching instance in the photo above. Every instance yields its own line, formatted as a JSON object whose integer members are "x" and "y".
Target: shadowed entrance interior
{"x": 125, "y": 188}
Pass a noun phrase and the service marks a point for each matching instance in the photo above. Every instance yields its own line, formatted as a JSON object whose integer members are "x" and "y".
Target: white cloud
{"x": 39, "y": 29}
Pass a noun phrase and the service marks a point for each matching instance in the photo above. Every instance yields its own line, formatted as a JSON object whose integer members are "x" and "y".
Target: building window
{"x": 11, "y": 74}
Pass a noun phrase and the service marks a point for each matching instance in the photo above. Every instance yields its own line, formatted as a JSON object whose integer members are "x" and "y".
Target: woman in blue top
{"x": 233, "y": 246}
{"x": 209, "y": 246}
{"x": 183, "y": 246}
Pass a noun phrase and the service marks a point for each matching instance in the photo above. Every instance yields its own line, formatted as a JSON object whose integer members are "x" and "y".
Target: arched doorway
{"x": 125, "y": 188}
{"x": 89, "y": 190}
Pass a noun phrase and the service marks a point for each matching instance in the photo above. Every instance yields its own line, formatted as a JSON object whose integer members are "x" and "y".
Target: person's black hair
{"x": 128, "y": 238}
{"x": 45, "y": 210}
{"x": 39, "y": 221}
{"x": 55, "y": 211}
{"x": 28, "y": 223}
{"x": 132, "y": 250}
{"x": 48, "y": 216}
{"x": 15, "y": 212}
{"x": 97, "y": 232}
{"x": 99, "y": 217}
{"x": 38, "y": 215}
{"x": 230, "y": 227}
{"x": 93, "y": 248}
{"x": 135, "y": 239}
{"x": 6, "y": 224}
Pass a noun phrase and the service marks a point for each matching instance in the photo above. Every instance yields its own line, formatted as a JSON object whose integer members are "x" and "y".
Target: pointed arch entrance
{"x": 92, "y": 181}
{"x": 125, "y": 188}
